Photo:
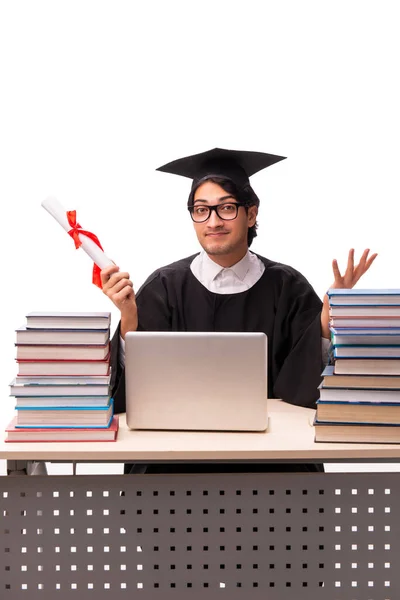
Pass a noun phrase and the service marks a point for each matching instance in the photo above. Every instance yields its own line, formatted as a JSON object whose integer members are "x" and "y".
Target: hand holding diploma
{"x": 88, "y": 241}
{"x": 115, "y": 283}
{"x": 119, "y": 288}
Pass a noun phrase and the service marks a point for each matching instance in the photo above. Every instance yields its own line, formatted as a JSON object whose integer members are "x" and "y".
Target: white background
{"x": 96, "y": 94}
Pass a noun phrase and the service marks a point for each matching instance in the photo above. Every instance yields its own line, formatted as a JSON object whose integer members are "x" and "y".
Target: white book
{"x": 68, "y": 320}
{"x": 367, "y": 366}
{"x": 377, "y": 381}
{"x": 358, "y": 395}
{"x": 63, "y": 367}
{"x": 62, "y": 336}
{"x": 64, "y": 352}
{"x": 365, "y": 337}
{"x": 61, "y": 401}
{"x": 364, "y": 311}
{"x": 388, "y": 323}
{"x": 60, "y": 386}
{"x": 49, "y": 391}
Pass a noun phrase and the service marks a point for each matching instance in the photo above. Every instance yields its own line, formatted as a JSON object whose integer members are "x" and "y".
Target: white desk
{"x": 275, "y": 536}
{"x": 290, "y": 437}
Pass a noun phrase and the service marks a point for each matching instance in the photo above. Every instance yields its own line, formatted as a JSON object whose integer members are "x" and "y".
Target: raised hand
{"x": 352, "y": 273}
{"x": 347, "y": 280}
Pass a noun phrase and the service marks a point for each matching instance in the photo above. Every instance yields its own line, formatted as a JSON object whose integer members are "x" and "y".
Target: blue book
{"x": 355, "y": 403}
{"x": 71, "y": 417}
{"x": 365, "y": 337}
{"x": 363, "y": 292}
{"x": 373, "y": 413}
{"x": 366, "y": 351}
{"x": 357, "y": 433}
{"x": 348, "y": 383}
{"x": 361, "y": 297}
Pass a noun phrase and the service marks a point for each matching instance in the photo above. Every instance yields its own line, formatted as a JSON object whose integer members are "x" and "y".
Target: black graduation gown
{"x": 282, "y": 304}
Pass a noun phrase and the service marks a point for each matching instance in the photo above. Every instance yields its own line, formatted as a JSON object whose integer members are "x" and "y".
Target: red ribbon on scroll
{"x": 74, "y": 232}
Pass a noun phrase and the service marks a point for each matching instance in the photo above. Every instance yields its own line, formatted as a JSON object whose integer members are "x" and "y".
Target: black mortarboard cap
{"x": 238, "y": 165}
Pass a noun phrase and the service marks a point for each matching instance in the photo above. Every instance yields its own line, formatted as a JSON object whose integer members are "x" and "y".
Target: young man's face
{"x": 223, "y": 240}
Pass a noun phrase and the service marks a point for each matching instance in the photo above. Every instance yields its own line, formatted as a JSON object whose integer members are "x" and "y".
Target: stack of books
{"x": 360, "y": 391}
{"x": 62, "y": 386}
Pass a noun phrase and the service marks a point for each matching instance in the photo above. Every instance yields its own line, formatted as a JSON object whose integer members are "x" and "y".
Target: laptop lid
{"x": 196, "y": 380}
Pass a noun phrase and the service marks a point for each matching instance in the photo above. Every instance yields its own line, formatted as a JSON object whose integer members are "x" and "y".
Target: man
{"x": 226, "y": 287}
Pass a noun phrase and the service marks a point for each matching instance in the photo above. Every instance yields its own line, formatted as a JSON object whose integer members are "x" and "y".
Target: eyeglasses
{"x": 227, "y": 211}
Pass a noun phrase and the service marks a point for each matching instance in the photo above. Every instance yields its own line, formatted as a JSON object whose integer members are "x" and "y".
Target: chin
{"x": 218, "y": 249}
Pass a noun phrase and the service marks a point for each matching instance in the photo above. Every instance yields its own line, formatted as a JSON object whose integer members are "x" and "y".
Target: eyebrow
{"x": 221, "y": 199}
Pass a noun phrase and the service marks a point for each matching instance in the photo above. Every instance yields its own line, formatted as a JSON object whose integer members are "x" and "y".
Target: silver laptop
{"x": 196, "y": 381}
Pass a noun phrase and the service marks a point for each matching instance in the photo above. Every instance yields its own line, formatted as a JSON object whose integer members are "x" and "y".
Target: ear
{"x": 252, "y": 215}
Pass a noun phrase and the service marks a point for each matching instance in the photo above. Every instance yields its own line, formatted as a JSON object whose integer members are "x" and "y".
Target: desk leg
{"x": 25, "y": 467}
{"x": 17, "y": 467}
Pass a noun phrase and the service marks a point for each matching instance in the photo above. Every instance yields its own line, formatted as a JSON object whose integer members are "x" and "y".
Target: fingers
{"x": 336, "y": 272}
{"x": 352, "y": 274}
{"x": 363, "y": 259}
{"x": 370, "y": 261}
{"x": 117, "y": 286}
{"x": 113, "y": 277}
{"x": 350, "y": 264}
{"x": 120, "y": 284}
{"x": 364, "y": 264}
{"x": 125, "y": 294}
{"x": 116, "y": 283}
{"x": 106, "y": 273}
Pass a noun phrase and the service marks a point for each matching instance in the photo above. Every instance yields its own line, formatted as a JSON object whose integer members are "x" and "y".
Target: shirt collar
{"x": 211, "y": 269}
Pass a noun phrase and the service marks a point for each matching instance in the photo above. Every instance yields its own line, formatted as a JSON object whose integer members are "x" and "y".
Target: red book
{"x": 62, "y": 351}
{"x": 63, "y": 367}
{"x": 62, "y": 434}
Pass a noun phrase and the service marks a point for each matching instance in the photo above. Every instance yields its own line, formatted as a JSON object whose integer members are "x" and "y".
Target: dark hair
{"x": 243, "y": 194}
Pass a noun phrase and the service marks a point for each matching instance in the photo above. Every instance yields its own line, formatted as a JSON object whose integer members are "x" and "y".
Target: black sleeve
{"x": 153, "y": 315}
{"x": 297, "y": 353}
{"x": 117, "y": 374}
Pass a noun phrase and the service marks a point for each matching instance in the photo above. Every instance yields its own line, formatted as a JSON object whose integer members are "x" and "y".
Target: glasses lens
{"x": 227, "y": 211}
{"x": 200, "y": 213}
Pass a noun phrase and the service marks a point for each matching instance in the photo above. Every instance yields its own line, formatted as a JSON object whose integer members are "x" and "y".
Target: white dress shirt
{"x": 229, "y": 280}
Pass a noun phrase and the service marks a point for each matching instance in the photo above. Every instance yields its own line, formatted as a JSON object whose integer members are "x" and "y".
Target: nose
{"x": 214, "y": 220}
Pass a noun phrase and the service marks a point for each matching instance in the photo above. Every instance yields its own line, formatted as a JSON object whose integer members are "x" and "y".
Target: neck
{"x": 227, "y": 260}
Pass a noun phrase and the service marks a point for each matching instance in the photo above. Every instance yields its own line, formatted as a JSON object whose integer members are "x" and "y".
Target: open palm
{"x": 352, "y": 273}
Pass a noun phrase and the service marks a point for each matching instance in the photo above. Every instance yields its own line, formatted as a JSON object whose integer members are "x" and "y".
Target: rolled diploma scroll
{"x": 57, "y": 211}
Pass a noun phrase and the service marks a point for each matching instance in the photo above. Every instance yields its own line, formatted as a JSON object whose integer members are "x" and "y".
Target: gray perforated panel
{"x": 270, "y": 536}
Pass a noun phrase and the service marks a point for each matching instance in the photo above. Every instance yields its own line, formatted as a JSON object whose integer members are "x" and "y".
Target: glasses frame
{"x": 215, "y": 207}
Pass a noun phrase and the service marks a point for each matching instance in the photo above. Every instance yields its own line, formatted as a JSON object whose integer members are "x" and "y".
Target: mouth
{"x": 217, "y": 234}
